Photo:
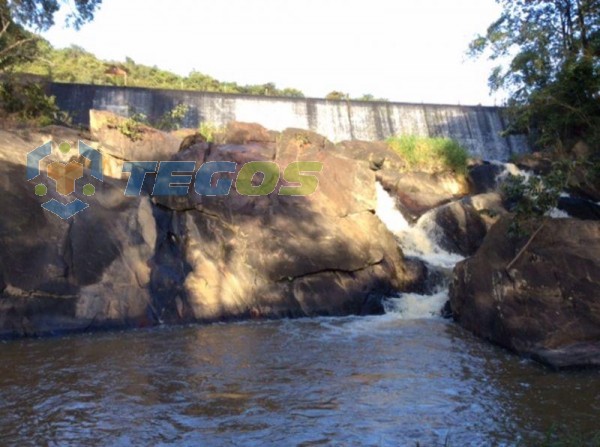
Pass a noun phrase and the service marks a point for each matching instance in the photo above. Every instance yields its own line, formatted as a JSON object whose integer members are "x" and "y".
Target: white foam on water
{"x": 510, "y": 169}
{"x": 419, "y": 240}
{"x": 388, "y": 213}
{"x": 412, "y": 306}
{"x": 422, "y": 242}
{"x": 555, "y": 213}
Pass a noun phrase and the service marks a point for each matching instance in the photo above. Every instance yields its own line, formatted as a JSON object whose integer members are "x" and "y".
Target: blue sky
{"x": 403, "y": 50}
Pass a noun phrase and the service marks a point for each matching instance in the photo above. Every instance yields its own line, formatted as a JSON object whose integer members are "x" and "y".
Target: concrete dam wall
{"x": 477, "y": 128}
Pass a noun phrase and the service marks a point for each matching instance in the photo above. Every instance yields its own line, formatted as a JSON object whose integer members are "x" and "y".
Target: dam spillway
{"x": 478, "y": 128}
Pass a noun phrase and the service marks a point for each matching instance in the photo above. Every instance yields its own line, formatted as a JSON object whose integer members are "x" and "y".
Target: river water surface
{"x": 380, "y": 381}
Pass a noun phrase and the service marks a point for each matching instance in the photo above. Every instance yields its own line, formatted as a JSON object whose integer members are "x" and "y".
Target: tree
{"x": 16, "y": 44}
{"x": 337, "y": 96}
{"x": 19, "y": 45}
{"x": 291, "y": 93}
{"x": 548, "y": 53}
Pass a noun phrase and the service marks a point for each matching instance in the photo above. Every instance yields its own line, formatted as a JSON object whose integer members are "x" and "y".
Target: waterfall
{"x": 421, "y": 241}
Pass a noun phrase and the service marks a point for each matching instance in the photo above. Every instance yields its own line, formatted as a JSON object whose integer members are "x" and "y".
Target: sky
{"x": 401, "y": 50}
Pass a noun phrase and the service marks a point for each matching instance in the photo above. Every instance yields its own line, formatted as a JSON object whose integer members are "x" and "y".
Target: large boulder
{"x": 544, "y": 301}
{"x": 419, "y": 192}
{"x": 460, "y": 227}
{"x": 237, "y": 132}
{"x": 584, "y": 183}
{"x": 91, "y": 270}
{"x": 136, "y": 261}
{"x": 416, "y": 192}
{"x": 274, "y": 256}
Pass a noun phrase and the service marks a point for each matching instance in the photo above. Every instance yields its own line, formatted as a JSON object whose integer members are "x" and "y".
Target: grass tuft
{"x": 430, "y": 154}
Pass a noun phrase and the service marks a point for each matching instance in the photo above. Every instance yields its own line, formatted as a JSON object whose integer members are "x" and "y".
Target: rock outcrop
{"x": 137, "y": 261}
{"x": 483, "y": 177}
{"x": 461, "y": 228}
{"x": 125, "y": 139}
{"x": 419, "y": 192}
{"x": 273, "y": 256}
{"x": 543, "y": 302}
{"x": 416, "y": 192}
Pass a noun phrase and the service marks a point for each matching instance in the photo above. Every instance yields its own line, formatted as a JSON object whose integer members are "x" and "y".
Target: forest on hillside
{"x": 76, "y": 65}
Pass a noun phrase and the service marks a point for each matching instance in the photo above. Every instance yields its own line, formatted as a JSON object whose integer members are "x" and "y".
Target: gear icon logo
{"x": 64, "y": 176}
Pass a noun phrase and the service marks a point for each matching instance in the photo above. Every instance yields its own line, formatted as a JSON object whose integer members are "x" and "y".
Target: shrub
{"x": 531, "y": 198}
{"x": 130, "y": 127}
{"x": 173, "y": 119}
{"x": 29, "y": 102}
{"x": 431, "y": 154}
{"x": 208, "y": 130}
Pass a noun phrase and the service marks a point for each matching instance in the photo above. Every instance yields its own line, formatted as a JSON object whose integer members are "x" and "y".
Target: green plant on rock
{"x": 209, "y": 130}
{"x": 173, "y": 119}
{"x": 131, "y": 127}
{"x": 430, "y": 154}
{"x": 302, "y": 139}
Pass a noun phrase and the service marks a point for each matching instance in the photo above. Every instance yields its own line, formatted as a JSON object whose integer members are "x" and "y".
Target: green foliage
{"x": 431, "y": 154}
{"x": 292, "y": 93}
{"x": 29, "y": 102}
{"x": 17, "y": 45}
{"x": 336, "y": 96}
{"x": 533, "y": 197}
{"x": 341, "y": 96}
{"x": 131, "y": 127}
{"x": 548, "y": 53}
{"x": 173, "y": 119}
{"x": 74, "y": 64}
{"x": 209, "y": 130}
{"x": 39, "y": 14}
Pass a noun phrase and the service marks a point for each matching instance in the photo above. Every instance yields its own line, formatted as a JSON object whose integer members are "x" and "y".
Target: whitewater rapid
{"x": 421, "y": 241}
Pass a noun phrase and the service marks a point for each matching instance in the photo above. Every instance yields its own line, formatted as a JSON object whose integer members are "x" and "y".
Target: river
{"x": 380, "y": 381}
{"x": 398, "y": 379}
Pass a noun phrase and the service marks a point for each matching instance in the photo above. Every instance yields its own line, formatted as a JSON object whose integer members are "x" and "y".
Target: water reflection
{"x": 354, "y": 381}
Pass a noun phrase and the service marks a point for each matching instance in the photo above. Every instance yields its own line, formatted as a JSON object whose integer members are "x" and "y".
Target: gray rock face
{"x": 462, "y": 228}
{"x": 137, "y": 261}
{"x": 547, "y": 304}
